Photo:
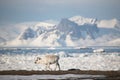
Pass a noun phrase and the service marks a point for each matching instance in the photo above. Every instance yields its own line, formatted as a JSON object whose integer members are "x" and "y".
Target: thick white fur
{"x": 48, "y": 60}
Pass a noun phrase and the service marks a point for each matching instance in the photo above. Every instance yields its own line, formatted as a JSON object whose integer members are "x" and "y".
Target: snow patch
{"x": 81, "y": 20}
{"x": 86, "y": 61}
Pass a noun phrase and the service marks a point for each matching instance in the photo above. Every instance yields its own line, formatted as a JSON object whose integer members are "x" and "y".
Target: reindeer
{"x": 48, "y": 60}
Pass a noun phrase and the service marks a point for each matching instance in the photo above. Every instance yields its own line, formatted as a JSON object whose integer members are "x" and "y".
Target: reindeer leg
{"x": 55, "y": 66}
{"x": 49, "y": 67}
{"x": 58, "y": 66}
{"x": 46, "y": 67}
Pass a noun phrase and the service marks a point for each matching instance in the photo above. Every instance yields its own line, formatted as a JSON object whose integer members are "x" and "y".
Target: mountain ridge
{"x": 75, "y": 31}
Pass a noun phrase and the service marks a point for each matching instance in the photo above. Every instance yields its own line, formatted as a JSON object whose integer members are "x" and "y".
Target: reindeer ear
{"x": 38, "y": 58}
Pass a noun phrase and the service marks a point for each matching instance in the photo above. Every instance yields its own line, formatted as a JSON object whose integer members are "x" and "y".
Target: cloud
{"x": 108, "y": 23}
{"x": 51, "y": 21}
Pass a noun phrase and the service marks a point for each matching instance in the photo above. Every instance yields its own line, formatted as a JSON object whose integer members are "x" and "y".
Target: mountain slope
{"x": 82, "y": 20}
{"x": 75, "y": 31}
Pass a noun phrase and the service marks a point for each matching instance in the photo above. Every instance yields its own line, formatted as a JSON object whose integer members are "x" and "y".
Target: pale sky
{"x": 40, "y": 10}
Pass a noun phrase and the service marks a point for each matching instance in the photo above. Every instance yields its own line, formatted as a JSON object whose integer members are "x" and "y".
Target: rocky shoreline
{"x": 110, "y": 75}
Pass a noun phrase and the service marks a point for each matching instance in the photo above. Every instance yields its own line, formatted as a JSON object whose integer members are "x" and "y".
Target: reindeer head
{"x": 37, "y": 60}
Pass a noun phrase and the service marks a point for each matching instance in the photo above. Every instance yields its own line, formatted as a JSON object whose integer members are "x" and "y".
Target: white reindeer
{"x": 48, "y": 60}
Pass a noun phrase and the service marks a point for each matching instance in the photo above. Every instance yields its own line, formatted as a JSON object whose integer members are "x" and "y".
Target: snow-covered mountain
{"x": 82, "y": 20}
{"x": 75, "y": 31}
{"x": 35, "y": 30}
{"x": 11, "y": 31}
